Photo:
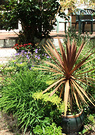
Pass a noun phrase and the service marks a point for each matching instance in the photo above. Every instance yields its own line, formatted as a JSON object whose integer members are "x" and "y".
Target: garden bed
{"x": 6, "y": 127}
{"x": 22, "y": 80}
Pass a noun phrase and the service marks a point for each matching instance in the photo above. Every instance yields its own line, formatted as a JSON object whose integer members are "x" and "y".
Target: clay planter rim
{"x": 73, "y": 116}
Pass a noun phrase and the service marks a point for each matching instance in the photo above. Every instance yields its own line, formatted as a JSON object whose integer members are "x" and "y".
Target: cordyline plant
{"x": 67, "y": 68}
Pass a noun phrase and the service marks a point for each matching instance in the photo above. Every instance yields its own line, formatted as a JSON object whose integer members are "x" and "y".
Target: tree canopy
{"x": 36, "y": 17}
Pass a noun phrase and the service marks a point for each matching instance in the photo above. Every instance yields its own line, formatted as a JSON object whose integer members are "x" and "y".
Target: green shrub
{"x": 17, "y": 98}
{"x": 17, "y": 92}
{"x": 55, "y": 100}
{"x": 36, "y": 17}
{"x": 89, "y": 124}
{"x": 24, "y": 60}
{"x": 48, "y": 130}
{"x": 72, "y": 33}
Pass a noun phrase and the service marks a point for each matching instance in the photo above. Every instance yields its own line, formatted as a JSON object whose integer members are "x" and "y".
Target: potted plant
{"x": 70, "y": 75}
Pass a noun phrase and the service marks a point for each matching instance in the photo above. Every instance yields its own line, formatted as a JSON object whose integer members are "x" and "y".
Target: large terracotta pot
{"x": 72, "y": 123}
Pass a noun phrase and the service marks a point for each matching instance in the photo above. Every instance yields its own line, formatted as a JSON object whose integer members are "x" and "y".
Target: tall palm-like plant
{"x": 69, "y": 71}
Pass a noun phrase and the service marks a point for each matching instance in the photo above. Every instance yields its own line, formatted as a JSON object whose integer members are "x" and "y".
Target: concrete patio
{"x": 6, "y": 54}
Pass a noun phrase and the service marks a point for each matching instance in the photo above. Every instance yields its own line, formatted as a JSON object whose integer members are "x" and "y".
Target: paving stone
{"x": 6, "y": 54}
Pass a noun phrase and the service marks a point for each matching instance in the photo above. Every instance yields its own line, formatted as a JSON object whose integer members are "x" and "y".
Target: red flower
{"x": 25, "y": 45}
{"x": 29, "y": 43}
{"x": 20, "y": 46}
{"x": 16, "y": 45}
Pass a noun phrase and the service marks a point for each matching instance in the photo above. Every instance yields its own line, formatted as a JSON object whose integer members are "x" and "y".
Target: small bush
{"x": 48, "y": 130}
{"x": 72, "y": 33}
{"x": 24, "y": 60}
{"x": 17, "y": 98}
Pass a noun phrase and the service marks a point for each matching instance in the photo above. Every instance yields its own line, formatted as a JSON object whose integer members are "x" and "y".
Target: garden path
{"x": 6, "y": 54}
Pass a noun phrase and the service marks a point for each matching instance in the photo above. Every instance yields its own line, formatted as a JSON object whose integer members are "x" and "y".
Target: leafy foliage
{"x": 70, "y": 72}
{"x": 37, "y": 18}
{"x": 72, "y": 4}
{"x": 17, "y": 98}
{"x": 72, "y": 33}
{"x": 48, "y": 130}
{"x": 25, "y": 47}
{"x": 55, "y": 100}
{"x": 24, "y": 60}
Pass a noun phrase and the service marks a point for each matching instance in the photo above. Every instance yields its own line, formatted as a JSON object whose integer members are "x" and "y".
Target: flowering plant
{"x": 24, "y": 60}
{"x": 26, "y": 47}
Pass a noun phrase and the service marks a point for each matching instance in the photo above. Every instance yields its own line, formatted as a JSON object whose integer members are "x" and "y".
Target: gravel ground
{"x": 4, "y": 127}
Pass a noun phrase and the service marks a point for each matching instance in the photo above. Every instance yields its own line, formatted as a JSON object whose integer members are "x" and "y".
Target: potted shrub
{"x": 71, "y": 76}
